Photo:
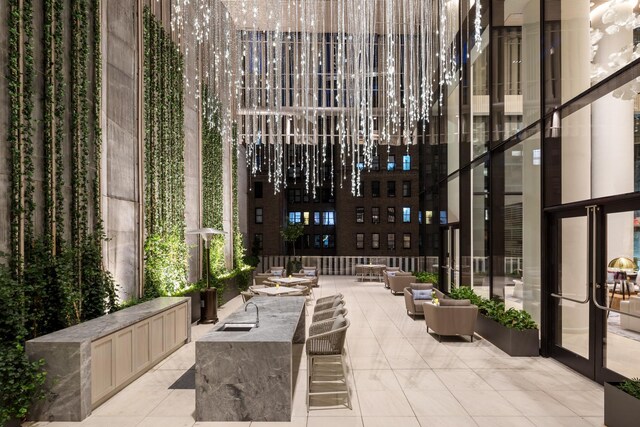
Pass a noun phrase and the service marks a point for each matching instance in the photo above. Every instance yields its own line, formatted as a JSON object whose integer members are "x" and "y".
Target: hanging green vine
{"x": 238, "y": 241}
{"x": 166, "y": 253}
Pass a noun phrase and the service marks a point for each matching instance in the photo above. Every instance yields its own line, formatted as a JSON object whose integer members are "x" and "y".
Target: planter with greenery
{"x": 291, "y": 233}
{"x": 426, "y": 277}
{"x": 622, "y": 403}
{"x": 512, "y": 330}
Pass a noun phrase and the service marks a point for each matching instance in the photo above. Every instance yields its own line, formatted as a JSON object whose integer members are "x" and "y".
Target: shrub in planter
{"x": 20, "y": 383}
{"x": 622, "y": 403}
{"x": 425, "y": 277}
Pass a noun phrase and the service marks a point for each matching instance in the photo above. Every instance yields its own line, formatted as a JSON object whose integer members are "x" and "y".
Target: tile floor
{"x": 400, "y": 376}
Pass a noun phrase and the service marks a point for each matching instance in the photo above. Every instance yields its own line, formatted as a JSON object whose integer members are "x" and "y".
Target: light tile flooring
{"x": 400, "y": 376}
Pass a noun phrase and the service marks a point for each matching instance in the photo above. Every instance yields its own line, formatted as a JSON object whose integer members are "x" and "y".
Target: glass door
{"x": 450, "y": 269}
{"x": 595, "y": 305}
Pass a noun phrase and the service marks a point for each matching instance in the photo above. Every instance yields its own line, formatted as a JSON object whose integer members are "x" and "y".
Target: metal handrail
{"x": 559, "y": 296}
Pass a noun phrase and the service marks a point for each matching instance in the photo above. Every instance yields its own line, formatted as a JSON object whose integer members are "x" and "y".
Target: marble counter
{"x": 71, "y": 365}
{"x": 247, "y": 376}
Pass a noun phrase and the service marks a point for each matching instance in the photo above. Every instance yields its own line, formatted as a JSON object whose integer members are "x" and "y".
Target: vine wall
{"x": 166, "y": 252}
{"x": 53, "y": 274}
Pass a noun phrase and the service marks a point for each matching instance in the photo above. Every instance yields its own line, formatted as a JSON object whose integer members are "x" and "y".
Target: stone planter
{"x": 511, "y": 341}
{"x": 620, "y": 408}
{"x": 195, "y": 305}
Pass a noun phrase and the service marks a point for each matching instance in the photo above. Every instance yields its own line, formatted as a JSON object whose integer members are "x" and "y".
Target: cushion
{"x": 338, "y": 323}
{"x": 276, "y": 273}
{"x": 454, "y": 302}
{"x": 309, "y": 272}
{"x": 422, "y": 294}
{"x": 421, "y": 286}
{"x": 391, "y": 273}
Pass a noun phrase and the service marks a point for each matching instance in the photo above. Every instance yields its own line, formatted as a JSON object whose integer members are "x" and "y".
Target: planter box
{"x": 620, "y": 408}
{"x": 511, "y": 341}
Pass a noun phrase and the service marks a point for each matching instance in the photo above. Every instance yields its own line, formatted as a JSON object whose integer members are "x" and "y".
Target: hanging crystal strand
{"x": 477, "y": 23}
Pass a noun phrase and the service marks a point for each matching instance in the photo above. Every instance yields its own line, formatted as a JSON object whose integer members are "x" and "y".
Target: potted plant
{"x": 513, "y": 331}
{"x": 622, "y": 403}
{"x": 291, "y": 233}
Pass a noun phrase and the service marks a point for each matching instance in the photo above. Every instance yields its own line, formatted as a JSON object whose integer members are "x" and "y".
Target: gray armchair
{"x": 451, "y": 317}
{"x": 414, "y": 307}
{"x": 394, "y": 271}
{"x": 398, "y": 282}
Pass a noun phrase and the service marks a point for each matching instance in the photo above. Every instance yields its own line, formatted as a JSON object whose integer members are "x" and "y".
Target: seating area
{"x": 397, "y": 374}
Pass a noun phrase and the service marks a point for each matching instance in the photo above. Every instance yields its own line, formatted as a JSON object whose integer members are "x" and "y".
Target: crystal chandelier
{"x": 309, "y": 81}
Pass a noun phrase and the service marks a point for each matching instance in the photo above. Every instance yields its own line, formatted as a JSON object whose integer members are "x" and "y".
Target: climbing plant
{"x": 166, "y": 252}
{"x": 212, "y": 178}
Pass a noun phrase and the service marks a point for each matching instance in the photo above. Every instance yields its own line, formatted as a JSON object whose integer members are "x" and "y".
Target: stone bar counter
{"x": 247, "y": 375}
{"x": 90, "y": 362}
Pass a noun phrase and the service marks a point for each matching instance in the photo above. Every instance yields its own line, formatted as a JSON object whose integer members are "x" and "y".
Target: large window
{"x": 375, "y": 215}
{"x": 406, "y": 241}
{"x": 328, "y": 241}
{"x": 306, "y": 218}
{"x": 391, "y": 214}
{"x": 391, "y": 189}
{"x": 317, "y": 219}
{"x": 329, "y": 218}
{"x": 257, "y": 189}
{"x": 375, "y": 241}
{"x": 406, "y": 214}
{"x": 360, "y": 241}
{"x": 360, "y": 215}
{"x": 294, "y": 195}
{"x": 295, "y": 217}
{"x": 391, "y": 162}
{"x": 317, "y": 241}
{"x": 406, "y": 188}
{"x": 375, "y": 188}
{"x": 375, "y": 163}
{"x": 259, "y": 216}
{"x": 258, "y": 240}
{"x": 391, "y": 241}
{"x": 406, "y": 162}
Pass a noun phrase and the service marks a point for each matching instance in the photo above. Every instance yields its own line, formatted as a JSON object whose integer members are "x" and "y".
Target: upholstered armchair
{"x": 310, "y": 273}
{"x": 388, "y": 276}
{"x": 398, "y": 282}
{"x": 451, "y": 317}
{"x": 390, "y": 271}
{"x": 414, "y": 306}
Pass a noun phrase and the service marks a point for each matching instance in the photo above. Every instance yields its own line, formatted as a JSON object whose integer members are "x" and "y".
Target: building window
{"x": 406, "y": 188}
{"x": 391, "y": 214}
{"x": 360, "y": 241}
{"x": 375, "y": 188}
{"x": 406, "y": 241}
{"x": 406, "y": 214}
{"x": 295, "y": 217}
{"x": 428, "y": 217}
{"x": 317, "y": 241}
{"x": 329, "y": 218}
{"x": 258, "y": 215}
{"x": 257, "y": 240}
{"x": 375, "y": 163}
{"x": 316, "y": 218}
{"x": 360, "y": 192}
{"x": 360, "y": 215}
{"x": 306, "y": 217}
{"x": 328, "y": 241}
{"x": 391, "y": 162}
{"x": 375, "y": 241}
{"x": 391, "y": 189}
{"x": 391, "y": 241}
{"x": 257, "y": 189}
{"x": 406, "y": 162}
{"x": 294, "y": 195}
{"x": 375, "y": 215}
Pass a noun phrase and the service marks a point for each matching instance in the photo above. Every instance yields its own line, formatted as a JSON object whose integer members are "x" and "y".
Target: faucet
{"x": 257, "y": 312}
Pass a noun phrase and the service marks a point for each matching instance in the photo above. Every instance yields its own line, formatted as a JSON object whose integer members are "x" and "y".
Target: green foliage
{"x": 631, "y": 387}
{"x": 426, "y": 277}
{"x": 166, "y": 264}
{"x": 494, "y": 309}
{"x": 291, "y": 233}
{"x": 20, "y": 382}
{"x": 166, "y": 252}
{"x": 12, "y": 320}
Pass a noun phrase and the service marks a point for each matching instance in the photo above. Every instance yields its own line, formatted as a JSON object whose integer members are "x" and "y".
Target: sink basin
{"x": 236, "y": 327}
